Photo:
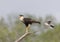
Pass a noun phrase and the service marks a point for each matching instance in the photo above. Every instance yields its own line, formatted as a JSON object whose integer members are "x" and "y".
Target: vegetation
{"x": 12, "y": 31}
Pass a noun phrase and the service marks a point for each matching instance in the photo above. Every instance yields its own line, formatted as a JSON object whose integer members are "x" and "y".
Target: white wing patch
{"x": 46, "y": 24}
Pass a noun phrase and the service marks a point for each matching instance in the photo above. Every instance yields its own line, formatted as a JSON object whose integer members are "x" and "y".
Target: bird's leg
{"x": 27, "y": 28}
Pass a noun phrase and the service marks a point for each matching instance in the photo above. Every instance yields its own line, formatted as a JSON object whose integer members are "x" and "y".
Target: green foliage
{"x": 51, "y": 35}
{"x": 10, "y": 34}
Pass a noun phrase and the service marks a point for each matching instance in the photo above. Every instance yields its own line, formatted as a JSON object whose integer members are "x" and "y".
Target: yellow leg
{"x": 27, "y": 28}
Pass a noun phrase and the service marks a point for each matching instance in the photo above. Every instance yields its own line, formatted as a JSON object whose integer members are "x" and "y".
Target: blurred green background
{"x": 13, "y": 28}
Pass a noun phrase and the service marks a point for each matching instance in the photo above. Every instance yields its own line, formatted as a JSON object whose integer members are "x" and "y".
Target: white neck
{"x": 21, "y": 18}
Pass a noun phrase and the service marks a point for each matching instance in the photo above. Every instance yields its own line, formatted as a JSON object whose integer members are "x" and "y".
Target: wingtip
{"x": 39, "y": 22}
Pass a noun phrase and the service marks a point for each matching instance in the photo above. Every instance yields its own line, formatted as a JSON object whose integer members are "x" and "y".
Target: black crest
{"x": 21, "y": 15}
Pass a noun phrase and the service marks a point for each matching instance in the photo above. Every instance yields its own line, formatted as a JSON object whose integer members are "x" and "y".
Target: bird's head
{"x": 49, "y": 22}
{"x": 21, "y": 17}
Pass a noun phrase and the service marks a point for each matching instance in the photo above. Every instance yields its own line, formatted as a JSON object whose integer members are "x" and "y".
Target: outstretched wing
{"x": 49, "y": 23}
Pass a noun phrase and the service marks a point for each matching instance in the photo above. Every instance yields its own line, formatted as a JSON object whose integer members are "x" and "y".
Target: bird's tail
{"x": 36, "y": 22}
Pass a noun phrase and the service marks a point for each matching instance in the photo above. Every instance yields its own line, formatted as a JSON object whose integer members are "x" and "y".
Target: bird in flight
{"x": 27, "y": 21}
{"x": 49, "y": 23}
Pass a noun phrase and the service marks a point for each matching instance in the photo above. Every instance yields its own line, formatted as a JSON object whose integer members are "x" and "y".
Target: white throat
{"x": 21, "y": 18}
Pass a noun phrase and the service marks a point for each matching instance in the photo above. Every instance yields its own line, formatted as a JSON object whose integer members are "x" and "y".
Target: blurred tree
{"x": 18, "y": 29}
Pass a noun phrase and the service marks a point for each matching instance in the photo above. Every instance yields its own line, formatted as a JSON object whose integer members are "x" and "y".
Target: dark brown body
{"x": 28, "y": 21}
